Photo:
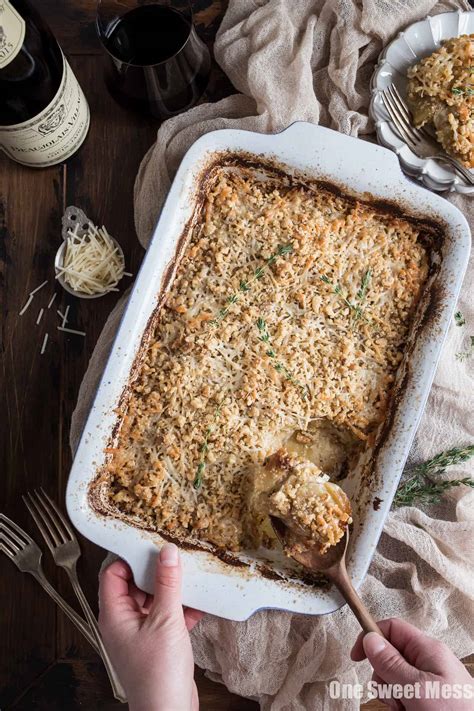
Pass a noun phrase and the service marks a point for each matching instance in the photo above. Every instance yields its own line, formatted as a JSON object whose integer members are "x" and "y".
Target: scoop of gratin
{"x": 308, "y": 503}
{"x": 440, "y": 91}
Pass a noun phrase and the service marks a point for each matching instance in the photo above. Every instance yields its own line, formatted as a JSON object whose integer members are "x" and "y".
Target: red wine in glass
{"x": 157, "y": 64}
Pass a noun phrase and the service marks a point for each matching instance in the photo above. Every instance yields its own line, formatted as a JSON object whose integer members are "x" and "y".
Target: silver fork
{"x": 23, "y": 551}
{"x": 62, "y": 543}
{"x": 418, "y": 139}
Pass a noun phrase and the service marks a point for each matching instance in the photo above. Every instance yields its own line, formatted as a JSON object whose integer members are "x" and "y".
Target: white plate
{"x": 210, "y": 584}
{"x": 417, "y": 41}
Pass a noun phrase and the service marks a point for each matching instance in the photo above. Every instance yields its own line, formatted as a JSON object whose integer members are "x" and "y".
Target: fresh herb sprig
{"x": 459, "y": 318}
{"x": 337, "y": 290}
{"x": 355, "y": 308}
{"x": 459, "y": 90}
{"x": 420, "y": 487}
{"x": 464, "y": 355}
{"x": 422, "y": 491}
{"x": 440, "y": 462}
{"x": 245, "y": 284}
{"x": 264, "y": 337}
{"x": 362, "y": 292}
{"x": 197, "y": 483}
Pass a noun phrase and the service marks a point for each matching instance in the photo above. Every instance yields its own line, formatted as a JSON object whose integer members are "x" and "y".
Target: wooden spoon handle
{"x": 341, "y": 580}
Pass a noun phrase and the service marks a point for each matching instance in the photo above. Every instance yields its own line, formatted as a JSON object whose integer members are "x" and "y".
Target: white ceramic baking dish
{"x": 360, "y": 167}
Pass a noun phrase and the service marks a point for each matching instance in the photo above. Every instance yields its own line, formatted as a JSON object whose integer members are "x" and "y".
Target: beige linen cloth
{"x": 312, "y": 60}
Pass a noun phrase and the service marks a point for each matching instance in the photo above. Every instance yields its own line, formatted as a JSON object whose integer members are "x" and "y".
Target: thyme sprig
{"x": 245, "y": 284}
{"x": 458, "y": 90}
{"x": 355, "y": 308}
{"x": 362, "y": 292}
{"x": 337, "y": 290}
{"x": 459, "y": 318}
{"x": 264, "y": 337}
{"x": 441, "y": 461}
{"x": 420, "y": 487}
{"x": 197, "y": 483}
{"x": 426, "y": 492}
{"x": 464, "y": 355}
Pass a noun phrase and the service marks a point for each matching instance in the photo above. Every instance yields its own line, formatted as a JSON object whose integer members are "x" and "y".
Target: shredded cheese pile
{"x": 92, "y": 264}
{"x": 207, "y": 396}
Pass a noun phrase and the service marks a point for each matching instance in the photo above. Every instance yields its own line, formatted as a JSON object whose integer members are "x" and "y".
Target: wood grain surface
{"x": 44, "y": 663}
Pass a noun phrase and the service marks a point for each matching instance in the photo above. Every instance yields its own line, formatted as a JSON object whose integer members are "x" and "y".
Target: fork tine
{"x": 62, "y": 517}
{"x": 418, "y": 133}
{"x": 8, "y": 542}
{"x": 405, "y": 134}
{"x": 396, "y": 111}
{"x": 11, "y": 534}
{"x": 421, "y": 133}
{"x": 6, "y": 550}
{"x": 42, "y": 522}
{"x": 421, "y": 130}
{"x": 9, "y": 525}
{"x": 49, "y": 511}
{"x": 396, "y": 96}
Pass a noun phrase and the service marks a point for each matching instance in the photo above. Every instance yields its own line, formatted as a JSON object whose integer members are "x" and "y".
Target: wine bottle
{"x": 44, "y": 115}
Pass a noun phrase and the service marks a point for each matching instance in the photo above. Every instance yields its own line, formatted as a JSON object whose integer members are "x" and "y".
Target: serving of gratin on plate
{"x": 431, "y": 63}
{"x": 276, "y": 349}
{"x": 441, "y": 94}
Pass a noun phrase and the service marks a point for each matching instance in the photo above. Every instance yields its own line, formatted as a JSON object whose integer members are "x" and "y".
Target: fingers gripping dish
{"x": 285, "y": 325}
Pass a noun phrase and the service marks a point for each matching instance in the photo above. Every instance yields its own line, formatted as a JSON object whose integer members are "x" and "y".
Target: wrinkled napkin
{"x": 312, "y": 60}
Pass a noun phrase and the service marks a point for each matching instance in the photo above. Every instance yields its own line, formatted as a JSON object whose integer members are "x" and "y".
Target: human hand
{"x": 410, "y": 657}
{"x": 148, "y": 637}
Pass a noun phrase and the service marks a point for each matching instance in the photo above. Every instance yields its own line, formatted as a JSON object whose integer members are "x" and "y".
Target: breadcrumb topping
{"x": 208, "y": 398}
{"x": 313, "y": 507}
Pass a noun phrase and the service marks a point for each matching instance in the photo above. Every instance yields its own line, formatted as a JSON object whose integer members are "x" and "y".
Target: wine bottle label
{"x": 55, "y": 133}
{"x": 12, "y": 33}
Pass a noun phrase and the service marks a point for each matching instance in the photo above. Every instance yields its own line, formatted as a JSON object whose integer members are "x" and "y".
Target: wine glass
{"x": 157, "y": 64}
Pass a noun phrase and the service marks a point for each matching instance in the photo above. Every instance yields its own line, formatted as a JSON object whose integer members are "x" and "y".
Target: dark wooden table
{"x": 45, "y": 663}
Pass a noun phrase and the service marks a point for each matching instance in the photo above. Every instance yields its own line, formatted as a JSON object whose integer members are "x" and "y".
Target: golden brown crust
{"x": 212, "y": 395}
{"x": 309, "y": 504}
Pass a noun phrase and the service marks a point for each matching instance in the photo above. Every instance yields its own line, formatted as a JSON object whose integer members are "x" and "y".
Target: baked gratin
{"x": 441, "y": 92}
{"x": 285, "y": 325}
{"x": 314, "y": 508}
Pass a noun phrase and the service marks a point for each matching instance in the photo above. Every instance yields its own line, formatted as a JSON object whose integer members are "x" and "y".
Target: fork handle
{"x": 341, "y": 580}
{"x": 117, "y": 688}
{"x": 67, "y": 609}
{"x": 461, "y": 169}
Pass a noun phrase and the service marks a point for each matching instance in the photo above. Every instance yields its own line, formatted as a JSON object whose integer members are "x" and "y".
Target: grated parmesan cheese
{"x": 30, "y": 297}
{"x": 66, "y": 314}
{"x": 25, "y": 307}
{"x": 93, "y": 263}
{"x": 45, "y": 341}
{"x": 38, "y": 288}
{"x": 71, "y": 330}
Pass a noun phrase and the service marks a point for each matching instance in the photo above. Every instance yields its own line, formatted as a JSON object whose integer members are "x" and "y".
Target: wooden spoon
{"x": 332, "y": 564}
